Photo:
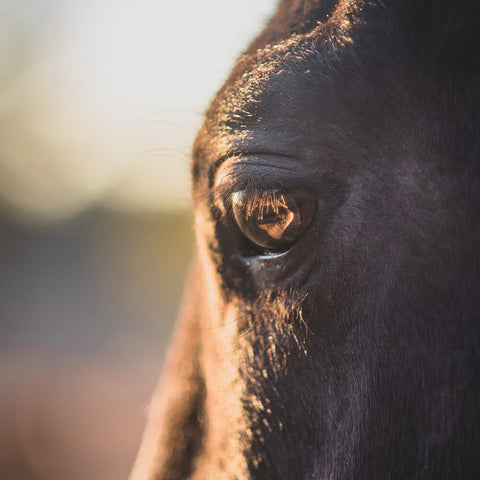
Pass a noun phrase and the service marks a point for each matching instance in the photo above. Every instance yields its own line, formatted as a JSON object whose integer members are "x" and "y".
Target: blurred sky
{"x": 100, "y": 99}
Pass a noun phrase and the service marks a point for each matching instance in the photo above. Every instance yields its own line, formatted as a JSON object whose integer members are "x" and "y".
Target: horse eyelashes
{"x": 273, "y": 220}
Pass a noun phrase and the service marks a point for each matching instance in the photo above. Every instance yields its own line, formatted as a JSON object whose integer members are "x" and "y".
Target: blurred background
{"x": 99, "y": 104}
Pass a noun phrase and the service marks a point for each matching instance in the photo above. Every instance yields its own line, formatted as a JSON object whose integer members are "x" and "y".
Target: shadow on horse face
{"x": 330, "y": 325}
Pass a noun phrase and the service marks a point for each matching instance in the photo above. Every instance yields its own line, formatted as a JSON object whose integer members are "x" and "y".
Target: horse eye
{"x": 271, "y": 219}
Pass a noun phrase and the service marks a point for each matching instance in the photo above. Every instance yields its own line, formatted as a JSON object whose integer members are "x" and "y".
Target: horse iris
{"x": 272, "y": 219}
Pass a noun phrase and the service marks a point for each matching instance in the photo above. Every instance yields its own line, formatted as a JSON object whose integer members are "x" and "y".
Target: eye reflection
{"x": 271, "y": 219}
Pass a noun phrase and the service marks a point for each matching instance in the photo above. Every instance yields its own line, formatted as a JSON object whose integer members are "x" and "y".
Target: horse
{"x": 330, "y": 326}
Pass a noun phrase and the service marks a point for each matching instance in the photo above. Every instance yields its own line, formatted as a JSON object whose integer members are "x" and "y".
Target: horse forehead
{"x": 274, "y": 66}
{"x": 270, "y": 85}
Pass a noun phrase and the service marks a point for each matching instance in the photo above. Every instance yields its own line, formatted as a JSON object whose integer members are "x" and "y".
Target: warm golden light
{"x": 100, "y": 99}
